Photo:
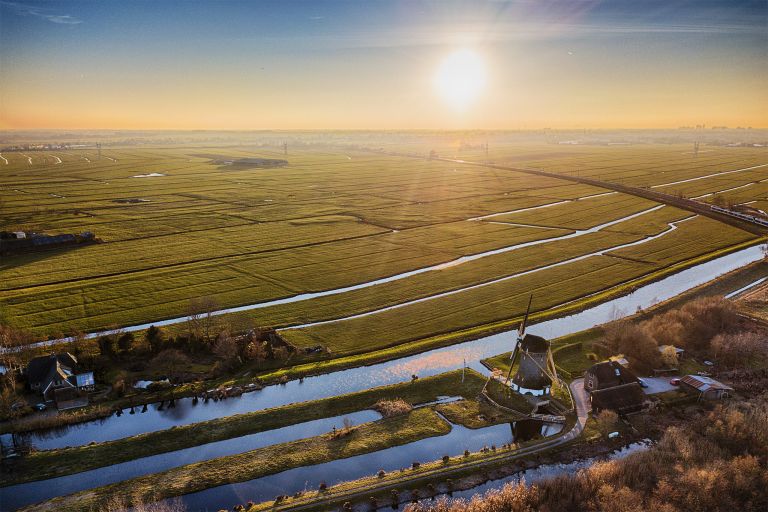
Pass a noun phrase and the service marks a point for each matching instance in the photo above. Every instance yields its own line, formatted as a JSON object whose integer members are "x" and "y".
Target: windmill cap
{"x": 533, "y": 343}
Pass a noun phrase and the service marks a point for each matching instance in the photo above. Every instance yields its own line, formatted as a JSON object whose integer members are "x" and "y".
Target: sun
{"x": 460, "y": 78}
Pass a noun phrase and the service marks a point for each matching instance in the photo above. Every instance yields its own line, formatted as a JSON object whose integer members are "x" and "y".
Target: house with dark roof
{"x": 623, "y": 399}
{"x": 47, "y": 374}
{"x": 607, "y": 374}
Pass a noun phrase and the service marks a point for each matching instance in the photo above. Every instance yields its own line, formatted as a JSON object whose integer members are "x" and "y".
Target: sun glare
{"x": 460, "y": 78}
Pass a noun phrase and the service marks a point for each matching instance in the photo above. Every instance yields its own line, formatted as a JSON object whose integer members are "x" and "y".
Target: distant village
{"x": 12, "y": 242}
{"x": 44, "y": 147}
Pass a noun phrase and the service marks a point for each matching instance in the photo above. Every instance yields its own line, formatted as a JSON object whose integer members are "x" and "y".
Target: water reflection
{"x": 24, "y": 494}
{"x": 531, "y": 476}
{"x": 391, "y": 459}
{"x": 428, "y": 363}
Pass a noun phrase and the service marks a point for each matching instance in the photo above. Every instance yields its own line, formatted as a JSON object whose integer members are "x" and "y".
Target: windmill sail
{"x": 520, "y": 336}
{"x": 521, "y": 329}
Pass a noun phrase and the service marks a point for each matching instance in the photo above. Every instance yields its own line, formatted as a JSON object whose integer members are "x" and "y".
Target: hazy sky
{"x": 372, "y": 64}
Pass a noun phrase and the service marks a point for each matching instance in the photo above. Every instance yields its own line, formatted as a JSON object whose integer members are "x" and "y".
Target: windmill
{"x": 536, "y": 370}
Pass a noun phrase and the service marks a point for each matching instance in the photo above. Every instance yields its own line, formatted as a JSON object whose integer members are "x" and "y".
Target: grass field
{"x": 337, "y": 218}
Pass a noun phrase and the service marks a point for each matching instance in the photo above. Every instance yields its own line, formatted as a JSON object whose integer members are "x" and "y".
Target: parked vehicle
{"x": 675, "y": 382}
{"x": 40, "y": 407}
{"x": 642, "y": 383}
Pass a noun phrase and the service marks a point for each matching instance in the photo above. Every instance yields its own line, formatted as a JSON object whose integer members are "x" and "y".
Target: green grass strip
{"x": 370, "y": 437}
{"x": 53, "y": 463}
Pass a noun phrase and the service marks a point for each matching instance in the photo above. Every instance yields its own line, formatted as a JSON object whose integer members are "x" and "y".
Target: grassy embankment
{"x": 516, "y": 456}
{"x": 418, "y": 424}
{"x": 369, "y": 437}
{"x": 50, "y": 463}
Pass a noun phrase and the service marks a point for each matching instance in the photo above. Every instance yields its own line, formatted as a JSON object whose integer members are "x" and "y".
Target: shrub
{"x": 634, "y": 342}
{"x": 155, "y": 338}
{"x": 606, "y": 421}
{"x": 669, "y": 357}
{"x": 395, "y": 407}
{"x": 739, "y": 349}
{"x": 125, "y": 342}
{"x": 118, "y": 387}
{"x": 714, "y": 463}
{"x": 709, "y": 316}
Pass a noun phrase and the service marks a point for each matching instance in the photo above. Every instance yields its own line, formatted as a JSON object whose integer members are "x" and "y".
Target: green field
{"x": 335, "y": 218}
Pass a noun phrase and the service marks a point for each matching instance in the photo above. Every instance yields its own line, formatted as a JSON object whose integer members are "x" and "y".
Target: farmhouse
{"x": 705, "y": 387}
{"x": 260, "y": 162}
{"x": 48, "y": 374}
{"x": 606, "y": 375}
{"x": 623, "y": 399}
{"x": 20, "y": 241}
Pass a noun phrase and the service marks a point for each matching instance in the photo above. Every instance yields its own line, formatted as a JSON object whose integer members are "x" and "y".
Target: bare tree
{"x": 226, "y": 347}
{"x": 200, "y": 318}
{"x": 172, "y": 360}
{"x": 633, "y": 341}
{"x": 256, "y": 351}
{"x": 78, "y": 338}
{"x": 740, "y": 349}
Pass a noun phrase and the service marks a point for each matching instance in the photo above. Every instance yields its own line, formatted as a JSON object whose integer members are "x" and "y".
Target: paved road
{"x": 583, "y": 406}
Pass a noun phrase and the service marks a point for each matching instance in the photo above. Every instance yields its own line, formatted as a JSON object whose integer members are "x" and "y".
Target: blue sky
{"x": 370, "y": 64}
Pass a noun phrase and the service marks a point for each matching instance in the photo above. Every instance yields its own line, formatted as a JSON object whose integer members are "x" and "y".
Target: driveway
{"x": 658, "y": 384}
{"x": 581, "y": 400}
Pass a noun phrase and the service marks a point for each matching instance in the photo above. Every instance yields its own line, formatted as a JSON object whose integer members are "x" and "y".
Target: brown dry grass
{"x": 717, "y": 463}
{"x": 394, "y": 407}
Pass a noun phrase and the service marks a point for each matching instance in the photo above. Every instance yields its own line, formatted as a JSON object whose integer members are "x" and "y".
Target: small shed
{"x": 679, "y": 351}
{"x": 705, "y": 387}
{"x": 85, "y": 381}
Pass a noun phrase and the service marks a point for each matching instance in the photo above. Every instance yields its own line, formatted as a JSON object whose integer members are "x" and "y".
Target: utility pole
{"x": 98, "y": 147}
{"x": 285, "y": 148}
